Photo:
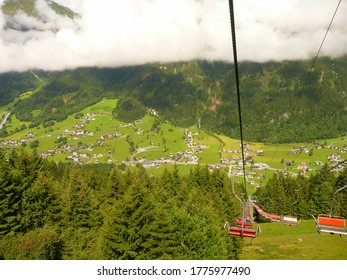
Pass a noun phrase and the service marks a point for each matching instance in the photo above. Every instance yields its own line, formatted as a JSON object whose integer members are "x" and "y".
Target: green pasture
{"x": 210, "y": 155}
{"x": 279, "y": 242}
{"x": 36, "y": 112}
{"x": 13, "y": 123}
{"x": 166, "y": 140}
{"x": 182, "y": 169}
{"x": 101, "y": 125}
{"x": 146, "y": 124}
{"x": 104, "y": 106}
{"x": 119, "y": 149}
{"x": 152, "y": 154}
{"x": 174, "y": 136}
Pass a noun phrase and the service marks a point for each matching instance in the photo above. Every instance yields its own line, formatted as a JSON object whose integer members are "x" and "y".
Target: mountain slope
{"x": 279, "y": 103}
{"x": 12, "y": 7}
{"x": 34, "y": 15}
{"x": 13, "y": 84}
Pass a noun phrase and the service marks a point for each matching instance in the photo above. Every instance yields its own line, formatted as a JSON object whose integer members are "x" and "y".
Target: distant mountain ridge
{"x": 277, "y": 105}
{"x": 15, "y": 9}
{"x": 12, "y": 7}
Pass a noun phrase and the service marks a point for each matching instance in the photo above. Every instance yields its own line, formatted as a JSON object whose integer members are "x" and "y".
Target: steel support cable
{"x": 312, "y": 67}
{"x": 334, "y": 166}
{"x": 317, "y": 54}
{"x": 233, "y": 36}
{"x": 314, "y": 62}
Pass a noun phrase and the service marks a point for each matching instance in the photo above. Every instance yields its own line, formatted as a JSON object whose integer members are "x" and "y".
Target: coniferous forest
{"x": 51, "y": 211}
{"x": 64, "y": 211}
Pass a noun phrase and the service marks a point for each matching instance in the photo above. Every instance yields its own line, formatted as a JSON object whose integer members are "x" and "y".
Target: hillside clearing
{"x": 279, "y": 242}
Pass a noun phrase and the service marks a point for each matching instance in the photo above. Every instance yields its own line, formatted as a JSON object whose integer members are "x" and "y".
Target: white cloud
{"x": 118, "y": 32}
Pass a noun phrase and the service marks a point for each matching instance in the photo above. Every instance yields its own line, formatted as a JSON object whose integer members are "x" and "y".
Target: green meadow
{"x": 164, "y": 140}
{"x": 279, "y": 242}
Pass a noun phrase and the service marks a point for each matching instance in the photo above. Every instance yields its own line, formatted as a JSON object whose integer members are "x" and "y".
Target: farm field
{"x": 93, "y": 136}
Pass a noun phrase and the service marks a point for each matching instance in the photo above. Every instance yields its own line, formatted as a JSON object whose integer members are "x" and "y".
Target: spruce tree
{"x": 125, "y": 227}
{"x": 41, "y": 205}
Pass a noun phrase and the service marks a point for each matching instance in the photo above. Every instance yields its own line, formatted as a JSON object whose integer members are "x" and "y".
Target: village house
{"x": 303, "y": 168}
{"x": 259, "y": 166}
{"x": 138, "y": 121}
{"x": 141, "y": 150}
{"x": 107, "y": 136}
{"x": 251, "y": 174}
{"x": 30, "y": 135}
{"x": 79, "y": 126}
{"x": 260, "y": 152}
{"x": 333, "y": 158}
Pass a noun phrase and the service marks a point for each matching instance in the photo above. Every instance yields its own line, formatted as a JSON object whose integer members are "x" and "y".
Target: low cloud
{"x": 113, "y": 33}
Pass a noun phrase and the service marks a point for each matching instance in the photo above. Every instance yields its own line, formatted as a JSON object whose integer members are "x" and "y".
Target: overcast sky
{"x": 129, "y": 32}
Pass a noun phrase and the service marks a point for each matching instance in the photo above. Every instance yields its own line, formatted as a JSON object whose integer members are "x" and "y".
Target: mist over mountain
{"x": 101, "y": 42}
{"x": 49, "y": 35}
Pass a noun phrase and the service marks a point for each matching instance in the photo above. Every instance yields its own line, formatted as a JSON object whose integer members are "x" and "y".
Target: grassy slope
{"x": 275, "y": 242}
{"x": 171, "y": 137}
{"x": 279, "y": 242}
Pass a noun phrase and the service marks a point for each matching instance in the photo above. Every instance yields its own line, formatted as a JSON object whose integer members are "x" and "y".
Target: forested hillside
{"x": 63, "y": 211}
{"x": 50, "y": 211}
{"x": 13, "y": 84}
{"x": 12, "y": 7}
{"x": 280, "y": 102}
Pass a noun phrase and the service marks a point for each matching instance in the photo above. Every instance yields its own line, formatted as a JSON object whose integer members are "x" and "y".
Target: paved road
{"x": 4, "y": 120}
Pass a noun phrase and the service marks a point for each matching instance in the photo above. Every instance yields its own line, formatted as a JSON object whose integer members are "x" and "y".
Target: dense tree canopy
{"x": 63, "y": 211}
{"x": 51, "y": 211}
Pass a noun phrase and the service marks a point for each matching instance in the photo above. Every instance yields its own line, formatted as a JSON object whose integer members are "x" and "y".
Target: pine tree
{"x": 76, "y": 199}
{"x": 125, "y": 228}
{"x": 340, "y": 203}
{"x": 321, "y": 190}
{"x": 80, "y": 222}
{"x": 41, "y": 205}
{"x": 19, "y": 170}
